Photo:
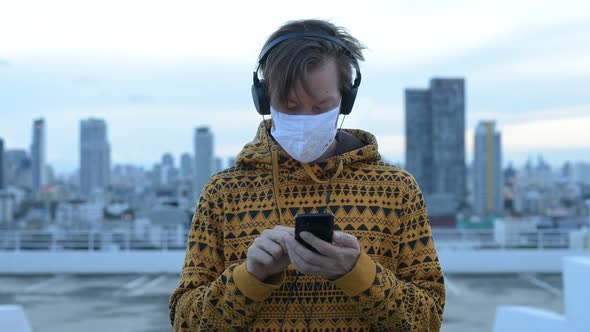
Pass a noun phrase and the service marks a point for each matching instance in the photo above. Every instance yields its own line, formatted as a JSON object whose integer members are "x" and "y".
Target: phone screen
{"x": 319, "y": 224}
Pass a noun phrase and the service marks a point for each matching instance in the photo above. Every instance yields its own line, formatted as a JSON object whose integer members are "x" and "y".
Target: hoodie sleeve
{"x": 209, "y": 296}
{"x": 411, "y": 295}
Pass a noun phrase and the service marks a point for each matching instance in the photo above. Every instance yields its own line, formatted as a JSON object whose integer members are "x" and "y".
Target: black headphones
{"x": 260, "y": 91}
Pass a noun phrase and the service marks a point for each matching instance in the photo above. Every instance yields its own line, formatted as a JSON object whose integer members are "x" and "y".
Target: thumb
{"x": 345, "y": 240}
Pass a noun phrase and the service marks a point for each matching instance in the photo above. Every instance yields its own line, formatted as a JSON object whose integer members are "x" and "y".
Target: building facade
{"x": 204, "y": 162}
{"x": 39, "y": 155}
{"x": 488, "y": 183}
{"x": 435, "y": 146}
{"x": 95, "y": 156}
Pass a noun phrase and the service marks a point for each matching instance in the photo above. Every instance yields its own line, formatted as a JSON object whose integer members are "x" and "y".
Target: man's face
{"x": 324, "y": 94}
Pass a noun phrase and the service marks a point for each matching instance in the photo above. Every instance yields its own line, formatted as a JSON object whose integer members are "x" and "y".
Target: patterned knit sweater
{"x": 396, "y": 285}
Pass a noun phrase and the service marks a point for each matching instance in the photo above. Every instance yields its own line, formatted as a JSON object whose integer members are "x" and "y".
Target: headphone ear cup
{"x": 260, "y": 98}
{"x": 348, "y": 100}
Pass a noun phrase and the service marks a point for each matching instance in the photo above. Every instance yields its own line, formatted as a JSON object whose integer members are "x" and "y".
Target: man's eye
{"x": 321, "y": 110}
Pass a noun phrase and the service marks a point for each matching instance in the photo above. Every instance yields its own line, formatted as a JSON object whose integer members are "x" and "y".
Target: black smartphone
{"x": 319, "y": 224}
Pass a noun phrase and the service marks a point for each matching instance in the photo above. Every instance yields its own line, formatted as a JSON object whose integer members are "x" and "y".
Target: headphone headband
{"x": 301, "y": 34}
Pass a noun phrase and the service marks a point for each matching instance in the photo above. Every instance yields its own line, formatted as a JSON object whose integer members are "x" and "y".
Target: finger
{"x": 272, "y": 248}
{"x": 323, "y": 247}
{"x": 286, "y": 229}
{"x": 298, "y": 261}
{"x": 345, "y": 240}
{"x": 260, "y": 256}
{"x": 307, "y": 255}
{"x": 275, "y": 235}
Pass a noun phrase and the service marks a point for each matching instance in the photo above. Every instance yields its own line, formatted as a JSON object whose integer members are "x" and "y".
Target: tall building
{"x": 218, "y": 164}
{"x": 39, "y": 155}
{"x": 2, "y": 165}
{"x": 167, "y": 169}
{"x": 168, "y": 160}
{"x": 203, "y": 144}
{"x": 435, "y": 146}
{"x": 186, "y": 166}
{"x": 18, "y": 168}
{"x": 95, "y": 156}
{"x": 156, "y": 175}
{"x": 487, "y": 171}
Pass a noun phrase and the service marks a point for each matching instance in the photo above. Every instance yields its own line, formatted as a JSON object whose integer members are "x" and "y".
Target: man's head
{"x": 309, "y": 75}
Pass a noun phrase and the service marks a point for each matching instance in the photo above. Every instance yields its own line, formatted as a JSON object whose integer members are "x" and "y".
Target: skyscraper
{"x": 203, "y": 144}
{"x": 487, "y": 171}
{"x": 38, "y": 155}
{"x": 168, "y": 160}
{"x": 186, "y": 167}
{"x": 18, "y": 168}
{"x": 95, "y": 156}
{"x": 2, "y": 165}
{"x": 435, "y": 146}
{"x": 169, "y": 173}
{"x": 218, "y": 165}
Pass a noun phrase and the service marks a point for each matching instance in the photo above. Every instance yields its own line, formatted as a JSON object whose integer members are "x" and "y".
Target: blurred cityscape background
{"x": 460, "y": 193}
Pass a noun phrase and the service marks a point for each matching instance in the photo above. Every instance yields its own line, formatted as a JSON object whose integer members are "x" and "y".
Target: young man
{"x": 244, "y": 269}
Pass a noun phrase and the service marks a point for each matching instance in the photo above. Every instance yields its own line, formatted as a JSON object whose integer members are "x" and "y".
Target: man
{"x": 244, "y": 269}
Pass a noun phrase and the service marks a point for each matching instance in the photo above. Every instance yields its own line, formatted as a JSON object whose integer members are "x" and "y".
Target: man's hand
{"x": 267, "y": 255}
{"x": 333, "y": 261}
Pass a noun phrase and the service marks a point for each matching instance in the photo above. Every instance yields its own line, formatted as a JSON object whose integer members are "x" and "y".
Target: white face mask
{"x": 304, "y": 137}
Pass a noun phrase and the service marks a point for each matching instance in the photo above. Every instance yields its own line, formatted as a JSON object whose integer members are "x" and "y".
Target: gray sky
{"x": 156, "y": 70}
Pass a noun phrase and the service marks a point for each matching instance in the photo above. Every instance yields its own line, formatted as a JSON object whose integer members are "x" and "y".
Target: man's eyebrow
{"x": 327, "y": 99}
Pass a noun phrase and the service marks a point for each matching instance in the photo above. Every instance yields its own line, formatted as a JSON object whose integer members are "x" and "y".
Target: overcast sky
{"x": 155, "y": 70}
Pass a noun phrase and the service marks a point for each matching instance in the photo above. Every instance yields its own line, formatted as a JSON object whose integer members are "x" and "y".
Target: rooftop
{"x": 139, "y": 302}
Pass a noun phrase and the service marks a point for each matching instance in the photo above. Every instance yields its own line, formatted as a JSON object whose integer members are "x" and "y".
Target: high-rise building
{"x": 487, "y": 171}
{"x": 186, "y": 167}
{"x": 2, "y": 165}
{"x": 435, "y": 146}
{"x": 38, "y": 155}
{"x": 203, "y": 145}
{"x": 218, "y": 164}
{"x": 168, "y": 160}
{"x": 419, "y": 152}
{"x": 156, "y": 175}
{"x": 18, "y": 167}
{"x": 95, "y": 156}
{"x": 169, "y": 173}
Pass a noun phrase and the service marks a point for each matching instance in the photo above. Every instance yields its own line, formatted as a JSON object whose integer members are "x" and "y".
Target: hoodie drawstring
{"x": 312, "y": 175}
{"x": 275, "y": 181}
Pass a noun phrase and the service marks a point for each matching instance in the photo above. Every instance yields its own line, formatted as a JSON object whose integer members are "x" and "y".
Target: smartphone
{"x": 319, "y": 224}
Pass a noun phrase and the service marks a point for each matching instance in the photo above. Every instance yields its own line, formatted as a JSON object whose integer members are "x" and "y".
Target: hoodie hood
{"x": 258, "y": 155}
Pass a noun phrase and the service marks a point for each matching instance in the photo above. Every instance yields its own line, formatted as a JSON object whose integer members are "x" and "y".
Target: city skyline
{"x": 506, "y": 160}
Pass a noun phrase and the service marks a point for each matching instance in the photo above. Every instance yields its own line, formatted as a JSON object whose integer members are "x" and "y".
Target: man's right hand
{"x": 268, "y": 255}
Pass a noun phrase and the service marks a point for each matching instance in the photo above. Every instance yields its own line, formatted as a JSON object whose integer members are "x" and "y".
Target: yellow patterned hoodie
{"x": 396, "y": 285}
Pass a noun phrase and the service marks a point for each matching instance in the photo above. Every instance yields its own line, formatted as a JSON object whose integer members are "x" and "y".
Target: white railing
{"x": 487, "y": 239}
{"x": 154, "y": 250}
{"x": 154, "y": 239}
{"x": 175, "y": 239}
{"x": 158, "y": 239}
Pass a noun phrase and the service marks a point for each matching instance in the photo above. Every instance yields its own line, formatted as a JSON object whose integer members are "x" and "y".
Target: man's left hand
{"x": 334, "y": 259}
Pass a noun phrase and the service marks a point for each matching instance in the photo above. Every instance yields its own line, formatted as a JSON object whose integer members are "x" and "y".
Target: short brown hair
{"x": 291, "y": 60}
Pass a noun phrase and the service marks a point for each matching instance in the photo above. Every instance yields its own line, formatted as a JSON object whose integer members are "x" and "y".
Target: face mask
{"x": 304, "y": 137}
